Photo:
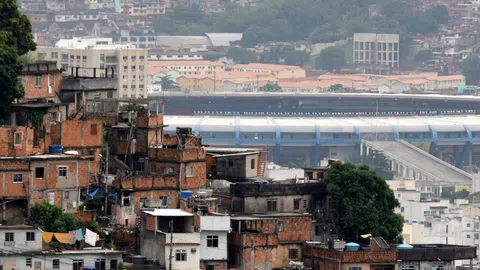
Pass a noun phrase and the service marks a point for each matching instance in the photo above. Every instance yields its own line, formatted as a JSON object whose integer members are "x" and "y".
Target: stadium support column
{"x": 316, "y": 153}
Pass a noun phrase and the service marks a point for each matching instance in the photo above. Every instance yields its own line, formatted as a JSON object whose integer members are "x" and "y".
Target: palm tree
{"x": 167, "y": 83}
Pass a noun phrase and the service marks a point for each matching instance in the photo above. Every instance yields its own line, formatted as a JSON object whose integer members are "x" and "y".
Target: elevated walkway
{"x": 412, "y": 162}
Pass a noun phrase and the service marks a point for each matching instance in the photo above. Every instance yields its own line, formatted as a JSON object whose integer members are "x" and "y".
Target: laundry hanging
{"x": 47, "y": 237}
{"x": 91, "y": 237}
{"x": 79, "y": 234}
{"x": 63, "y": 238}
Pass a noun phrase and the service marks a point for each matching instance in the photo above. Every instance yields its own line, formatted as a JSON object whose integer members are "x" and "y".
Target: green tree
{"x": 45, "y": 215}
{"x": 270, "y": 87}
{"x": 168, "y": 84}
{"x": 439, "y": 13}
{"x": 15, "y": 39}
{"x": 241, "y": 56}
{"x": 16, "y": 26}
{"x": 335, "y": 88}
{"x": 470, "y": 68}
{"x": 10, "y": 68}
{"x": 363, "y": 203}
{"x": 423, "y": 55}
{"x": 193, "y": 13}
{"x": 296, "y": 58}
{"x": 331, "y": 59}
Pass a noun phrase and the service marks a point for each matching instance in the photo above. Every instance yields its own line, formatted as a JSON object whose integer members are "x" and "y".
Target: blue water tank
{"x": 352, "y": 246}
{"x": 404, "y": 246}
{"x": 55, "y": 149}
{"x": 186, "y": 194}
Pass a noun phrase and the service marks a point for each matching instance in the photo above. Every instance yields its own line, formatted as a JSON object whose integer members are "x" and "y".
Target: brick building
{"x": 152, "y": 167}
{"x": 29, "y": 171}
{"x": 379, "y": 255}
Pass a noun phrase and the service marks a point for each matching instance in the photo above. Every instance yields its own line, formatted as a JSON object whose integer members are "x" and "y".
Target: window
{"x": 100, "y": 264}
{"x": 18, "y": 178}
{"x": 134, "y": 67}
{"x": 38, "y": 81}
{"x": 39, "y": 172}
{"x": 293, "y": 253}
{"x": 62, "y": 171}
{"x": 189, "y": 170}
{"x": 468, "y": 236}
{"x": 30, "y": 236}
{"x": 54, "y": 55}
{"x": 102, "y": 57}
{"x": 28, "y": 262}
{"x": 271, "y": 206}
{"x": 134, "y": 58}
{"x": 252, "y": 164}
{"x": 54, "y": 117}
{"x": 56, "y": 264}
{"x": 113, "y": 264}
{"x": 84, "y": 58}
{"x": 109, "y": 94}
{"x": 212, "y": 240}
{"x": 125, "y": 86}
{"x": 66, "y": 194}
{"x": 78, "y": 57}
{"x": 281, "y": 225}
{"x": 125, "y": 58}
{"x": 40, "y": 194}
{"x": 9, "y": 237}
{"x": 210, "y": 267}
{"x": 93, "y": 129}
{"x": 468, "y": 225}
{"x": 141, "y": 57}
{"x": 305, "y": 204}
{"x": 296, "y": 204}
{"x": 17, "y": 138}
{"x": 476, "y": 236}
{"x": 181, "y": 255}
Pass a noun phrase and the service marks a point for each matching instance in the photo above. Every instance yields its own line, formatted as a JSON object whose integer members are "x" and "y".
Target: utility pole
{"x": 171, "y": 245}
{"x": 106, "y": 180}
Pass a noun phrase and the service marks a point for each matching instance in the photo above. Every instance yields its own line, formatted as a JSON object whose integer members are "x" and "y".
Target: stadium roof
{"x": 326, "y": 124}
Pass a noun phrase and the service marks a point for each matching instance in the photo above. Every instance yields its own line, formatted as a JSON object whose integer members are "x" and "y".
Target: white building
{"x": 377, "y": 49}
{"x": 213, "y": 238}
{"x": 128, "y": 63}
{"x": 156, "y": 235}
{"x": 21, "y": 249}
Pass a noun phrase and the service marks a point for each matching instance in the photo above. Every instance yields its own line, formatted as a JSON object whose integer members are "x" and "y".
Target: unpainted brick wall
{"x": 86, "y": 216}
{"x": 7, "y": 146}
{"x": 295, "y": 229}
{"x": 34, "y": 92}
{"x": 78, "y": 133}
{"x": 151, "y": 223}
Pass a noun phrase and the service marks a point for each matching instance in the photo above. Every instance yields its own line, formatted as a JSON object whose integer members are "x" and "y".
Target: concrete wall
{"x": 192, "y": 261}
{"x": 237, "y": 166}
{"x": 213, "y": 253}
{"x": 66, "y": 261}
{"x": 20, "y": 243}
{"x": 153, "y": 246}
{"x": 258, "y": 205}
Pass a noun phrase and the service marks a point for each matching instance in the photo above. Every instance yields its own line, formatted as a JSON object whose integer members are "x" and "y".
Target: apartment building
{"x": 376, "y": 49}
{"x": 279, "y": 71}
{"x": 143, "y": 7}
{"x": 128, "y": 63}
{"x": 201, "y": 67}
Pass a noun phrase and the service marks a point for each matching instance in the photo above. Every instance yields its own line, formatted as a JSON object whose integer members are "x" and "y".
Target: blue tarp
{"x": 92, "y": 194}
{"x": 100, "y": 192}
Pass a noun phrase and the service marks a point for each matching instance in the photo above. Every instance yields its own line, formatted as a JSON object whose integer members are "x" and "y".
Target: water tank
{"x": 186, "y": 194}
{"x": 55, "y": 149}
{"x": 352, "y": 246}
{"x": 202, "y": 194}
{"x": 404, "y": 246}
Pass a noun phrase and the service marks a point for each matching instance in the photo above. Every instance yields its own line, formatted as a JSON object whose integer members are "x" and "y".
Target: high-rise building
{"x": 376, "y": 49}
{"x": 128, "y": 63}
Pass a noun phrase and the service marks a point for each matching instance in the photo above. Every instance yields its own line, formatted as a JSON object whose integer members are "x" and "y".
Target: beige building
{"x": 376, "y": 49}
{"x": 279, "y": 71}
{"x": 127, "y": 62}
{"x": 194, "y": 67}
